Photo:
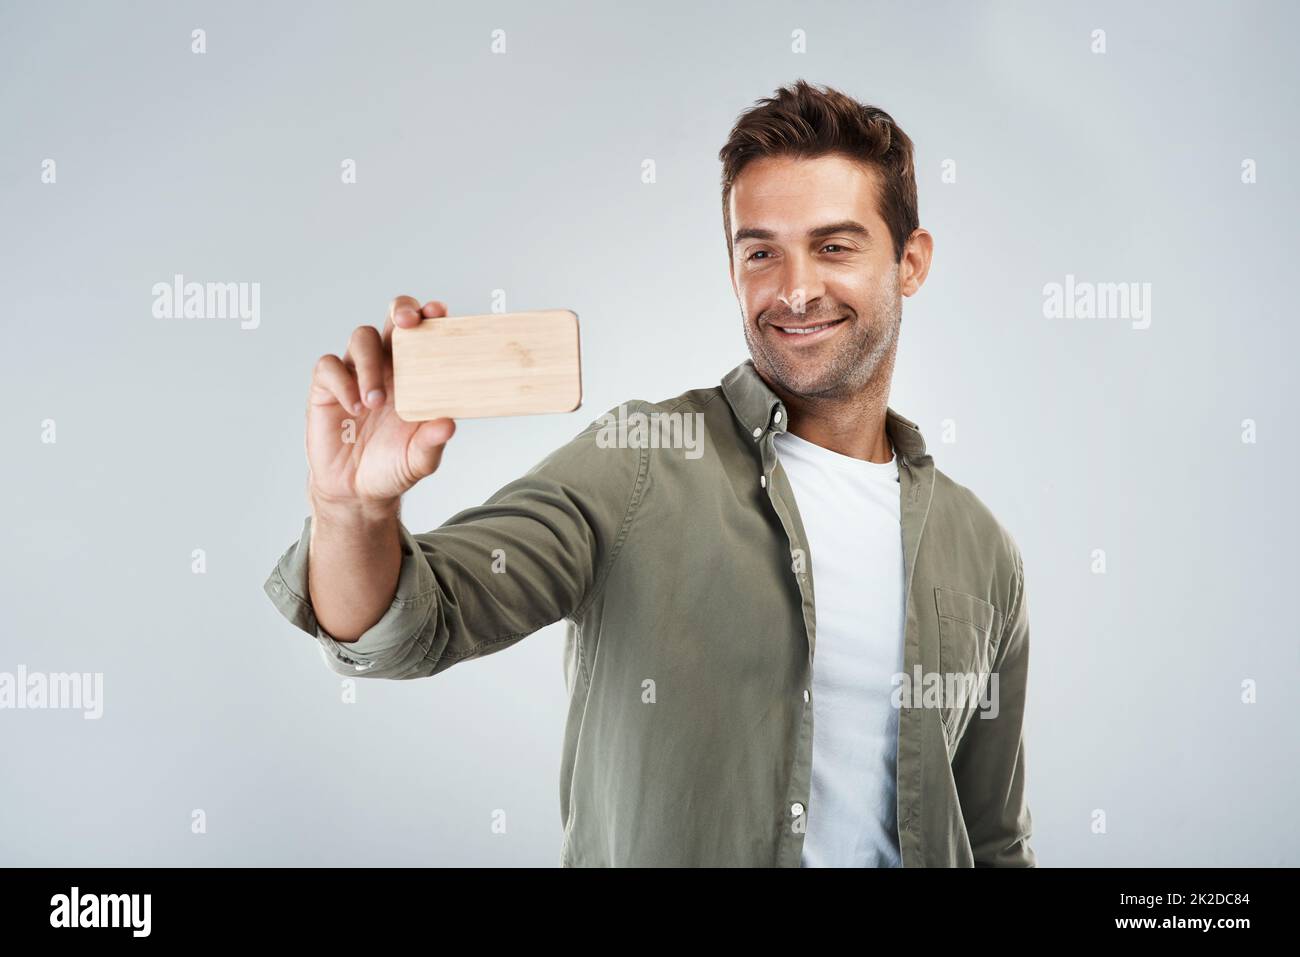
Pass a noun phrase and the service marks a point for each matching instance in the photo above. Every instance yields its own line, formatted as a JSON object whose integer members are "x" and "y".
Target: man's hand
{"x": 362, "y": 458}
{"x": 361, "y": 455}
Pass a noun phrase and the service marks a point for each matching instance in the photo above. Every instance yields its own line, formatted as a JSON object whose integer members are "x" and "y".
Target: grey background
{"x": 522, "y": 172}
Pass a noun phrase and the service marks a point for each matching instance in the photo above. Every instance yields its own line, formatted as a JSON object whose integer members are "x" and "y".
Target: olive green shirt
{"x": 685, "y": 582}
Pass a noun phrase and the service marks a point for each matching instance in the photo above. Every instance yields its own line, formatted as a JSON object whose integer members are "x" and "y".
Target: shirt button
{"x": 762, "y": 481}
{"x": 805, "y": 694}
{"x": 757, "y": 433}
{"x": 777, "y": 417}
{"x": 796, "y": 808}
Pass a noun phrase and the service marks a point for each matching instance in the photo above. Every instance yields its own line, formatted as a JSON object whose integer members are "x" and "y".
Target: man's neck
{"x": 852, "y": 426}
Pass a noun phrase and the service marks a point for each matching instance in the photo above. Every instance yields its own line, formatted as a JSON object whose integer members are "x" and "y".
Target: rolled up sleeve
{"x": 538, "y": 550}
{"x": 391, "y": 647}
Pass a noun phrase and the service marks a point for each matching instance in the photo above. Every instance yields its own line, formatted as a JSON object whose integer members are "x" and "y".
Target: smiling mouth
{"x": 804, "y": 332}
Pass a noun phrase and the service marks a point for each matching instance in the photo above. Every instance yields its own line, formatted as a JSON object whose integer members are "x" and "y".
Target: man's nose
{"x": 801, "y": 285}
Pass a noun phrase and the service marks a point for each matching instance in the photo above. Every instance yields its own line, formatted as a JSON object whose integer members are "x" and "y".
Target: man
{"x": 699, "y": 732}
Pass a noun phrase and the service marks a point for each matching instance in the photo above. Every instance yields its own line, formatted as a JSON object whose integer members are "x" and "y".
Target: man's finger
{"x": 430, "y": 310}
{"x": 367, "y": 354}
{"x": 404, "y": 311}
{"x": 332, "y": 379}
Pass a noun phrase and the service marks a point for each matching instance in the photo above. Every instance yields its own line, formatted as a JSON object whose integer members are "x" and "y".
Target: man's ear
{"x": 915, "y": 264}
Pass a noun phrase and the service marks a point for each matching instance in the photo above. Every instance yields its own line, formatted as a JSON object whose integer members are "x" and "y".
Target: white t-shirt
{"x": 850, "y": 513}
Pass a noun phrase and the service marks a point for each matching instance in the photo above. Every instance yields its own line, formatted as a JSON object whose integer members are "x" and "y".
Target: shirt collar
{"x": 758, "y": 407}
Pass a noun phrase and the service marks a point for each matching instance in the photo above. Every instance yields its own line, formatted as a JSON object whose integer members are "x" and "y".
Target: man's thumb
{"x": 424, "y": 451}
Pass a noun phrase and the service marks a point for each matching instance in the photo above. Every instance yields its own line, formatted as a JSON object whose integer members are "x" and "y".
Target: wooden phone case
{"x": 466, "y": 367}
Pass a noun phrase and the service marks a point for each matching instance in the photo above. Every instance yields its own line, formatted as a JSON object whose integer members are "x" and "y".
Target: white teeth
{"x": 804, "y": 332}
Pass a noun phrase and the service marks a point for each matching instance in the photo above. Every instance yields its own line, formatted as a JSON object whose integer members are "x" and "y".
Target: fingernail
{"x": 404, "y": 312}
{"x": 356, "y": 407}
{"x": 375, "y": 397}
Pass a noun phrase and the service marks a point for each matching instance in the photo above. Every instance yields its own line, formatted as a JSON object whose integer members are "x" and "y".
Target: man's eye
{"x": 832, "y": 246}
{"x": 756, "y": 253}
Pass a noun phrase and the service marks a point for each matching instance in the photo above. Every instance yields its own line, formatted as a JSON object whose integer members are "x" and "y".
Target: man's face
{"x": 810, "y": 249}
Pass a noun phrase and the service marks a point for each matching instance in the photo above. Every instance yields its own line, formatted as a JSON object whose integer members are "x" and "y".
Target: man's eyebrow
{"x": 846, "y": 226}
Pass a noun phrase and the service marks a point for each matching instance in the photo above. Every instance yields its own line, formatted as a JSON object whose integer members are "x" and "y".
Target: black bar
{"x": 369, "y": 905}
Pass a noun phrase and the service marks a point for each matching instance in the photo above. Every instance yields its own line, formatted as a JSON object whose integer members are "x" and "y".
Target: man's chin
{"x": 809, "y": 383}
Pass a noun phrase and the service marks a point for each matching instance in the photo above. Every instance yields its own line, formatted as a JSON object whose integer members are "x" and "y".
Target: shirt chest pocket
{"x": 969, "y": 628}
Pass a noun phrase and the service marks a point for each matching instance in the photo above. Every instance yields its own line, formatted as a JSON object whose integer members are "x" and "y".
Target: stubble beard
{"x": 854, "y": 358}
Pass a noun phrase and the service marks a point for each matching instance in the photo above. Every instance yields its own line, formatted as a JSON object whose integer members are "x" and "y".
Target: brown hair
{"x": 806, "y": 122}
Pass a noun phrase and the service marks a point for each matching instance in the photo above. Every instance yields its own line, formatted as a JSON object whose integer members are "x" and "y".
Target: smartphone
{"x": 467, "y": 367}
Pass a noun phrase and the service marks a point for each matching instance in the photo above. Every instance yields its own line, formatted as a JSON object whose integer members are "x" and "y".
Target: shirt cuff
{"x": 397, "y": 638}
